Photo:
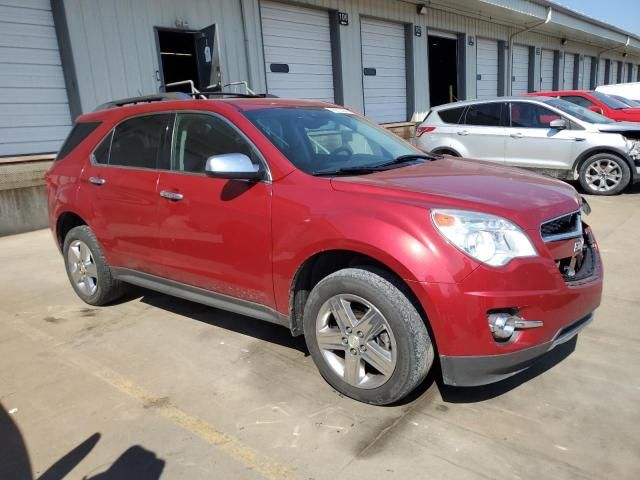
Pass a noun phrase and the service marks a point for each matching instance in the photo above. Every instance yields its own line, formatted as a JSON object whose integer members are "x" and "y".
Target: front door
{"x": 532, "y": 143}
{"x": 215, "y": 233}
{"x": 120, "y": 184}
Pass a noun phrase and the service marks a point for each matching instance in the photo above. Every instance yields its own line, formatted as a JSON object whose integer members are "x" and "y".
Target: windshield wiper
{"x": 407, "y": 158}
{"x": 364, "y": 169}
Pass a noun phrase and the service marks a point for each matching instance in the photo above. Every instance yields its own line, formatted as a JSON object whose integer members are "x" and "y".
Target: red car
{"x": 598, "y": 102}
{"x": 309, "y": 216}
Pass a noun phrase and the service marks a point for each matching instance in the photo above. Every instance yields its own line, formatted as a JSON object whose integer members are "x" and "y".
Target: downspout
{"x": 510, "y": 53}
{"x": 606, "y": 51}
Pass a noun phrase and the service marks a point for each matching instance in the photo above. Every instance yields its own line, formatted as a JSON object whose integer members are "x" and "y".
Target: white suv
{"x": 549, "y": 135}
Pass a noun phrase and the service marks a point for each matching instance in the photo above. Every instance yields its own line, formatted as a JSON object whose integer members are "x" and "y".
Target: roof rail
{"x": 159, "y": 97}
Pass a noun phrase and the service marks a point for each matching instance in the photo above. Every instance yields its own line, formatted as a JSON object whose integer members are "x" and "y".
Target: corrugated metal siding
{"x": 33, "y": 96}
{"x": 114, "y": 45}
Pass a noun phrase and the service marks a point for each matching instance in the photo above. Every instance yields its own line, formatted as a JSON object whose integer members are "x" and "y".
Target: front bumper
{"x": 472, "y": 371}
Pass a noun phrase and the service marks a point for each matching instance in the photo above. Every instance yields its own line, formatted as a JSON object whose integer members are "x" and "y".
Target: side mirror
{"x": 597, "y": 109}
{"x": 558, "y": 124}
{"x": 234, "y": 166}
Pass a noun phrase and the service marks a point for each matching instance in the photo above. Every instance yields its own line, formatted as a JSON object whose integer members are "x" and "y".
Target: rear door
{"x": 532, "y": 143}
{"x": 482, "y": 131}
{"x": 120, "y": 183}
{"x": 215, "y": 233}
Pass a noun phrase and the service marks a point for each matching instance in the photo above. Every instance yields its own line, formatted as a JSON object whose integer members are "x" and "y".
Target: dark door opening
{"x": 443, "y": 70}
{"x": 188, "y": 55}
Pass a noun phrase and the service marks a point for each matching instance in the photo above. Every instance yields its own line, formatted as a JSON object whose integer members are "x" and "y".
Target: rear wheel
{"x": 604, "y": 174}
{"x": 366, "y": 337}
{"x": 87, "y": 269}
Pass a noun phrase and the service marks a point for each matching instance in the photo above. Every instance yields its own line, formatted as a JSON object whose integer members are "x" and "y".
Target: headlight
{"x": 487, "y": 238}
{"x": 633, "y": 148}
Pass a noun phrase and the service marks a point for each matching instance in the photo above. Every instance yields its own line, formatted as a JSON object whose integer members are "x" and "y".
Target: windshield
{"x": 609, "y": 101}
{"x": 628, "y": 101}
{"x": 322, "y": 139}
{"x": 577, "y": 111}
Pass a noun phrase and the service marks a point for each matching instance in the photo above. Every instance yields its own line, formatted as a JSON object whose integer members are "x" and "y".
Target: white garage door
{"x": 613, "y": 72}
{"x": 487, "y": 68}
{"x": 32, "y": 87}
{"x": 586, "y": 72}
{"x": 546, "y": 70}
{"x": 601, "y": 71}
{"x": 520, "y": 78}
{"x": 384, "y": 70}
{"x": 569, "y": 68}
{"x": 297, "y": 51}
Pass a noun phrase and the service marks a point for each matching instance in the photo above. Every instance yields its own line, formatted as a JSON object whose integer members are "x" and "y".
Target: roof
{"x": 464, "y": 103}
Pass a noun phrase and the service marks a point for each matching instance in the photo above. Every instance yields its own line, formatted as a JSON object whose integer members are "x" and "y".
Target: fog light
{"x": 504, "y": 324}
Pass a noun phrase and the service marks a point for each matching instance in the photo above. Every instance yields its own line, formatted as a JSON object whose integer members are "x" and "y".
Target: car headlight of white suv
{"x": 489, "y": 239}
{"x": 634, "y": 148}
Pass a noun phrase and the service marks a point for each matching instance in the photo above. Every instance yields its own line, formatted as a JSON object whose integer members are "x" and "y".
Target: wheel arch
{"x": 584, "y": 156}
{"x": 324, "y": 263}
{"x": 446, "y": 151}
{"x": 64, "y": 223}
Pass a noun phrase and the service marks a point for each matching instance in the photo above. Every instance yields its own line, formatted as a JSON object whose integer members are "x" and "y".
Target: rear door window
{"x": 451, "y": 115}
{"x": 484, "y": 115}
{"x": 137, "y": 142}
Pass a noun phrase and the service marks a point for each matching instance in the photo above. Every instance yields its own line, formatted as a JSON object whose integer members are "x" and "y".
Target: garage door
{"x": 586, "y": 72}
{"x": 546, "y": 70}
{"x": 487, "y": 68}
{"x": 520, "y": 77}
{"x": 297, "y": 51}
{"x": 384, "y": 70}
{"x": 613, "y": 75}
{"x": 32, "y": 84}
{"x": 569, "y": 68}
{"x": 601, "y": 71}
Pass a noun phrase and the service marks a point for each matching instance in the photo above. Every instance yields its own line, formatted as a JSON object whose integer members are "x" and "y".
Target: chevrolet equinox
{"x": 309, "y": 216}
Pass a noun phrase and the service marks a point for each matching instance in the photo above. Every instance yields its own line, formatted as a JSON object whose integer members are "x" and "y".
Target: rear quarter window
{"x": 451, "y": 115}
{"x": 78, "y": 134}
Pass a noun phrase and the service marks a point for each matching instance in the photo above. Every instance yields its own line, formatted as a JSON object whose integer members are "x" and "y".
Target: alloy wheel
{"x": 356, "y": 341}
{"x": 82, "y": 267}
{"x": 603, "y": 175}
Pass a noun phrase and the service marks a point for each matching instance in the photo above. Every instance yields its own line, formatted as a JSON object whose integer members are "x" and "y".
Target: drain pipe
{"x": 607, "y": 51}
{"x": 510, "y": 53}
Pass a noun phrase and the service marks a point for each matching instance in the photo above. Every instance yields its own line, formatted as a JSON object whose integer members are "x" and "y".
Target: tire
{"x": 403, "y": 342}
{"x": 446, "y": 151}
{"x": 617, "y": 169}
{"x": 94, "y": 283}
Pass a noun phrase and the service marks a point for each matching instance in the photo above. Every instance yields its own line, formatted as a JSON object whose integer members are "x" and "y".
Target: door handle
{"x": 516, "y": 135}
{"x": 463, "y": 132}
{"x": 579, "y": 139}
{"x": 97, "y": 180}
{"x": 176, "y": 197}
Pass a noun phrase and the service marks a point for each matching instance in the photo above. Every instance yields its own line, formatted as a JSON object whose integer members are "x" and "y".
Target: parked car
{"x": 629, "y": 90}
{"x": 548, "y": 135}
{"x": 309, "y": 216}
{"x": 628, "y": 101}
{"x": 597, "y": 102}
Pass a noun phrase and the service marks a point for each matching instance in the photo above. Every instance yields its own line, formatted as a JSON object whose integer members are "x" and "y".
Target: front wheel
{"x": 365, "y": 336}
{"x": 604, "y": 174}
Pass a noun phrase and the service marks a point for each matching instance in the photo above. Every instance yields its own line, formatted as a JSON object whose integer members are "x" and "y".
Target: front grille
{"x": 567, "y": 226}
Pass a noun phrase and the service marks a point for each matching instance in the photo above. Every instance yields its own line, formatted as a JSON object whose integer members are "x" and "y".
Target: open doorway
{"x": 443, "y": 70}
{"x": 188, "y": 55}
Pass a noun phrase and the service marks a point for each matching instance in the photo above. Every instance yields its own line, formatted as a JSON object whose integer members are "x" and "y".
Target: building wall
{"x": 33, "y": 98}
{"x": 115, "y": 53}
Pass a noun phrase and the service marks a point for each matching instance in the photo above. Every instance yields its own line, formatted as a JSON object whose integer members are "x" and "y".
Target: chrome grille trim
{"x": 573, "y": 233}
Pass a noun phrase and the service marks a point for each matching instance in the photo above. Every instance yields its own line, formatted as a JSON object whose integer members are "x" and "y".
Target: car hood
{"x": 521, "y": 196}
{"x": 619, "y": 127}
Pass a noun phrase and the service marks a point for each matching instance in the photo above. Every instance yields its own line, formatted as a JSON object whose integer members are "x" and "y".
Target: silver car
{"x": 549, "y": 135}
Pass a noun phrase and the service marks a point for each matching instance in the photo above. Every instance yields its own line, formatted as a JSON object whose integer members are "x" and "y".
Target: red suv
{"x": 598, "y": 102}
{"x": 309, "y": 216}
